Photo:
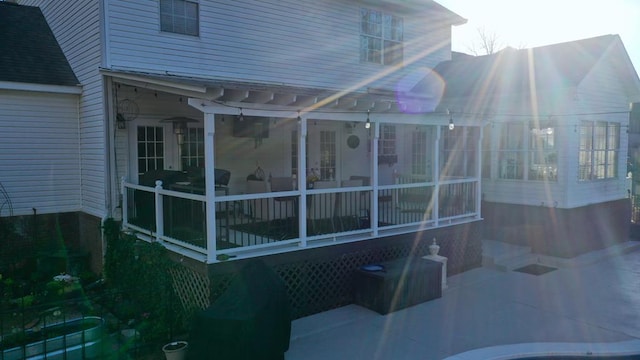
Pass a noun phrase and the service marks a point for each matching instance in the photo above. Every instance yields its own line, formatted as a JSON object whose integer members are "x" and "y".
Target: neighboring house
{"x": 39, "y": 96}
{"x": 555, "y": 141}
{"x": 308, "y": 133}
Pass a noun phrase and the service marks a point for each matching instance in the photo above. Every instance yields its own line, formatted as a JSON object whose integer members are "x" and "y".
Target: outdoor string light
{"x": 367, "y": 125}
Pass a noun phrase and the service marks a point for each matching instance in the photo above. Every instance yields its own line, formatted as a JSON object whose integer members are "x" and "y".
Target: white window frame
{"x": 157, "y": 147}
{"x": 381, "y": 37}
{"x": 180, "y": 17}
{"x": 193, "y": 148}
{"x": 458, "y": 149}
{"x": 599, "y": 150}
{"x": 328, "y": 156}
{"x": 543, "y": 153}
{"x": 512, "y": 151}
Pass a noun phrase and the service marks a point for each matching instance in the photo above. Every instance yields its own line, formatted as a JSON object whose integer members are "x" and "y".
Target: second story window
{"x": 179, "y": 16}
{"x": 381, "y": 37}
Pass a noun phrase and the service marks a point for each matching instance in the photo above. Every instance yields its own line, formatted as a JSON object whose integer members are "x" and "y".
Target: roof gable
{"x": 518, "y": 71}
{"x": 29, "y": 52}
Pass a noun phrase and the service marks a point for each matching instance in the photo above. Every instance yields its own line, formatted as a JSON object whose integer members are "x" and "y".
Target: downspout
{"x": 107, "y": 84}
{"x": 111, "y": 179}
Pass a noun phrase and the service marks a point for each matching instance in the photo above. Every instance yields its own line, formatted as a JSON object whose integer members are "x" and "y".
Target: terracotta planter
{"x": 176, "y": 350}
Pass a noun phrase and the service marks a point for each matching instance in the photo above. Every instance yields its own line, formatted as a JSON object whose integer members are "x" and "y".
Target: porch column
{"x": 436, "y": 176}
{"x": 374, "y": 179}
{"x": 302, "y": 180}
{"x": 479, "y": 172}
{"x": 210, "y": 185}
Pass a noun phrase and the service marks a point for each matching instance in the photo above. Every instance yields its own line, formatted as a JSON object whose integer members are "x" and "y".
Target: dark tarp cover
{"x": 251, "y": 320}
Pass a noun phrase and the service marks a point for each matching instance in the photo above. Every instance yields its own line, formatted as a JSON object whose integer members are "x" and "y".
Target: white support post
{"x": 302, "y": 181}
{"x": 436, "y": 173}
{"x": 159, "y": 211}
{"x": 125, "y": 198}
{"x": 373, "y": 213}
{"x": 479, "y": 174}
{"x": 210, "y": 186}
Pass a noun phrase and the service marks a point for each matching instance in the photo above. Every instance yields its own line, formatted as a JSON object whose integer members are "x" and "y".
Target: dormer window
{"x": 179, "y": 16}
{"x": 381, "y": 37}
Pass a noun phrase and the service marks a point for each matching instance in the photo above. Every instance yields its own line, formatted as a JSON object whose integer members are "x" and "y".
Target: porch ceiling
{"x": 275, "y": 96}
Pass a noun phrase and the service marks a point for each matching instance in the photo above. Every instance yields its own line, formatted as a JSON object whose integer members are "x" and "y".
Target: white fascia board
{"x": 434, "y": 118}
{"x": 58, "y": 89}
{"x": 141, "y": 80}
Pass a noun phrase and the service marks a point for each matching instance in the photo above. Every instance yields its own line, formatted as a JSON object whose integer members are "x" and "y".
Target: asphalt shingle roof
{"x": 519, "y": 71}
{"x": 29, "y": 52}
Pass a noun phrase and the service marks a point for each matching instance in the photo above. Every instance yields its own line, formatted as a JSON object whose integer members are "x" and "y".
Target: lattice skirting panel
{"x": 193, "y": 288}
{"x": 322, "y": 279}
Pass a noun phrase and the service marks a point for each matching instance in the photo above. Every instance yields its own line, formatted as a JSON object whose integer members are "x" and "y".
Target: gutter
{"x": 58, "y": 89}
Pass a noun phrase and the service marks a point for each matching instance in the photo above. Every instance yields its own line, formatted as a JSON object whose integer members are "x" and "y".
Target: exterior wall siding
{"x": 601, "y": 94}
{"x": 68, "y": 20}
{"x": 39, "y": 151}
{"x": 275, "y": 42}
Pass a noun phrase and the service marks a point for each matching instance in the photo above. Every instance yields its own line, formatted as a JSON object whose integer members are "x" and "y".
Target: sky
{"x": 530, "y": 23}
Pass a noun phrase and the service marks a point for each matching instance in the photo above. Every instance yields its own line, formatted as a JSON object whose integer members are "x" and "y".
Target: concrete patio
{"x": 589, "y": 304}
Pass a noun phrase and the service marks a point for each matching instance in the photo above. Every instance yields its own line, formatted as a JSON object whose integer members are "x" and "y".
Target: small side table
{"x": 443, "y": 260}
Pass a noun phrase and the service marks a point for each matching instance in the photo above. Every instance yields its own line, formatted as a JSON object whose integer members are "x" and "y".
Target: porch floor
{"x": 590, "y": 304}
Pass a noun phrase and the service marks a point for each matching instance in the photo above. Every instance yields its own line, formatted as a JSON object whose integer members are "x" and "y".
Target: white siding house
{"x": 79, "y": 32}
{"x": 321, "y": 131}
{"x": 39, "y": 151}
{"x": 39, "y": 157}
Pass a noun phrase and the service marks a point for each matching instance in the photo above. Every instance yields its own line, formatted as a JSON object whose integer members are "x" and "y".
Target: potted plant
{"x": 176, "y": 350}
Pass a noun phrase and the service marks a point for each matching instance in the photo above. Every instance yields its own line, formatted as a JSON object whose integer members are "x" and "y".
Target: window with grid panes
{"x": 327, "y": 155}
{"x": 512, "y": 150}
{"x": 458, "y": 151}
{"x": 599, "y": 148}
{"x": 381, "y": 37}
{"x": 193, "y": 148}
{"x": 179, "y": 16}
{"x": 387, "y": 145}
{"x": 543, "y": 162}
{"x": 150, "y": 148}
{"x": 421, "y": 142}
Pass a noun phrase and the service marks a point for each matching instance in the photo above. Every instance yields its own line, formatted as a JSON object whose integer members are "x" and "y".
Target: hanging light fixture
{"x": 241, "y": 116}
{"x": 179, "y": 126}
{"x": 367, "y": 125}
{"x": 451, "y": 125}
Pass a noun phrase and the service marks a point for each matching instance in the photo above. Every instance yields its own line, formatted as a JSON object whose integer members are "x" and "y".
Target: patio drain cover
{"x": 535, "y": 269}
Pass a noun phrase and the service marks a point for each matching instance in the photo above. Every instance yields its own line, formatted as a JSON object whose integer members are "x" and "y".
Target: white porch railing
{"x": 272, "y": 222}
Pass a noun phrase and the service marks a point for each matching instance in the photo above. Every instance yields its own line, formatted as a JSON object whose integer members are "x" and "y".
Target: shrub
{"x": 140, "y": 272}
